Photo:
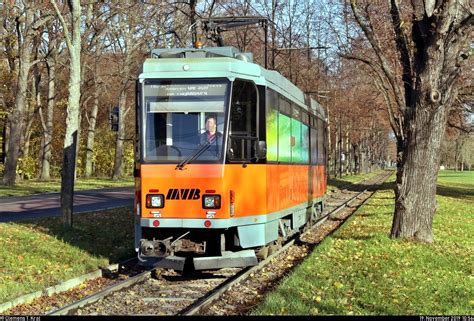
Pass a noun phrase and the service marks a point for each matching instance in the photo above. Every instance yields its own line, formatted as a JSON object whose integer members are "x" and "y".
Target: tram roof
{"x": 200, "y": 65}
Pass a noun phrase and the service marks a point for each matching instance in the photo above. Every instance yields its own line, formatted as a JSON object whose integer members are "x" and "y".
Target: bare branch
{"x": 42, "y": 21}
{"x": 384, "y": 64}
{"x": 379, "y": 82}
{"x": 465, "y": 24}
{"x": 63, "y": 24}
{"x": 34, "y": 62}
{"x": 402, "y": 46}
{"x": 460, "y": 128}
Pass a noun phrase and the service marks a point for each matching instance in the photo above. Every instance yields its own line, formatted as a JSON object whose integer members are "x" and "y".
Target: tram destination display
{"x": 172, "y": 97}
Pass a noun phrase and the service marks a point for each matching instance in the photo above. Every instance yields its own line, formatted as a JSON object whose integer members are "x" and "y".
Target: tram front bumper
{"x": 226, "y": 260}
{"x": 166, "y": 262}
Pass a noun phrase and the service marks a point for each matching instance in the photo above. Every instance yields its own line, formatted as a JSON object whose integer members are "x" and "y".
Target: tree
{"x": 73, "y": 41}
{"x": 27, "y": 26}
{"x": 93, "y": 46}
{"x": 428, "y": 41}
{"x": 130, "y": 34}
{"x": 47, "y": 121}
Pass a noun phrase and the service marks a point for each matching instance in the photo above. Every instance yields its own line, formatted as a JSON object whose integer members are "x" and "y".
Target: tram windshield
{"x": 181, "y": 116}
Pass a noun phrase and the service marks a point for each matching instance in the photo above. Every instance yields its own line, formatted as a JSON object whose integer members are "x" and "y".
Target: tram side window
{"x": 284, "y": 131}
{"x": 321, "y": 152}
{"x": 314, "y": 143}
{"x": 296, "y": 135}
{"x": 243, "y": 122}
{"x": 304, "y": 143}
{"x": 272, "y": 125}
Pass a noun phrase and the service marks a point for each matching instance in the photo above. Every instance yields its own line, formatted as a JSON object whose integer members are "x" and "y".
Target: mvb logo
{"x": 183, "y": 194}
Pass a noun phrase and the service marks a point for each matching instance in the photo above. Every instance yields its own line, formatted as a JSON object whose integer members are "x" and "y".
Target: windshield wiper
{"x": 198, "y": 153}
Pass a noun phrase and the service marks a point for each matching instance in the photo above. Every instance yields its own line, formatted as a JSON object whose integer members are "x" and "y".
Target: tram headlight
{"x": 155, "y": 200}
{"x": 211, "y": 201}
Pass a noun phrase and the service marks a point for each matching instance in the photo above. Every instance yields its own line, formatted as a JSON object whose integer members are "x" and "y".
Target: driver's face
{"x": 211, "y": 125}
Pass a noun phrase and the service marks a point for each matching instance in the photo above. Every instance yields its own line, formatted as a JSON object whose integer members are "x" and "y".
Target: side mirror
{"x": 136, "y": 172}
{"x": 261, "y": 149}
{"x": 230, "y": 153}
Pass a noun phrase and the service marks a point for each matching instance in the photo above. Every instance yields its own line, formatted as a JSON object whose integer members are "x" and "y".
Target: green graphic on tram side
{"x": 296, "y": 137}
{"x": 305, "y": 143}
{"x": 281, "y": 131}
{"x": 272, "y": 135}
{"x": 284, "y": 138}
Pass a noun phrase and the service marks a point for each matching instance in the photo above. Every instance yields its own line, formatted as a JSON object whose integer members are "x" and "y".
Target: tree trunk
{"x": 4, "y": 141}
{"x": 417, "y": 172}
{"x": 120, "y": 137}
{"x": 91, "y": 133}
{"x": 339, "y": 154}
{"x": 32, "y": 106}
{"x": 335, "y": 152}
{"x": 363, "y": 157}
{"x": 346, "y": 150}
{"x": 356, "y": 159}
{"x": 350, "y": 158}
{"x": 25, "y": 141}
{"x": 274, "y": 5}
{"x": 17, "y": 120}
{"x": 70, "y": 139}
{"x": 328, "y": 135}
{"x": 415, "y": 190}
{"x": 78, "y": 140}
{"x": 48, "y": 126}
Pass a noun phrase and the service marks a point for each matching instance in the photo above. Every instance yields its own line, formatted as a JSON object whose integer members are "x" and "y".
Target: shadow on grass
{"x": 456, "y": 192}
{"x": 375, "y": 214}
{"x": 338, "y": 182}
{"x": 386, "y": 186}
{"x": 354, "y": 237}
{"x": 459, "y": 174}
{"x": 461, "y": 191}
{"x": 108, "y": 234}
{"x": 353, "y": 186}
{"x": 9, "y": 191}
{"x": 387, "y": 202}
{"x": 376, "y": 197}
{"x": 441, "y": 175}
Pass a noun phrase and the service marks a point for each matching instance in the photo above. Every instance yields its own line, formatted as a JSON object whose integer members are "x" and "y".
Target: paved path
{"x": 43, "y": 205}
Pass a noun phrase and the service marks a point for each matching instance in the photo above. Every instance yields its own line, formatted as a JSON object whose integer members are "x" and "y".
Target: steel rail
{"x": 99, "y": 295}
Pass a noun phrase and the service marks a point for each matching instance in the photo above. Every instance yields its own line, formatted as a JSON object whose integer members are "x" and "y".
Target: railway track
{"x": 165, "y": 292}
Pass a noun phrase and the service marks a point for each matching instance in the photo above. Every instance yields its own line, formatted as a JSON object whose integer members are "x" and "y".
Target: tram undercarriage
{"x": 236, "y": 246}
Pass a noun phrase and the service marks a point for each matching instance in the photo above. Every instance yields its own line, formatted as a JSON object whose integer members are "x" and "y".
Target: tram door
{"x": 243, "y": 122}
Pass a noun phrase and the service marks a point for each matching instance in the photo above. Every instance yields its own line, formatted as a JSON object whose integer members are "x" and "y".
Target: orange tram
{"x": 230, "y": 159}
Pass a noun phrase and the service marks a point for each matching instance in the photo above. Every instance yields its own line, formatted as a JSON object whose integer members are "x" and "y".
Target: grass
{"x": 28, "y": 187}
{"x": 40, "y": 253}
{"x": 359, "y": 270}
{"x": 456, "y": 184}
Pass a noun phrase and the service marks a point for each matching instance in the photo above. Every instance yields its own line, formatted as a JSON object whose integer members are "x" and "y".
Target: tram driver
{"x": 211, "y": 135}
